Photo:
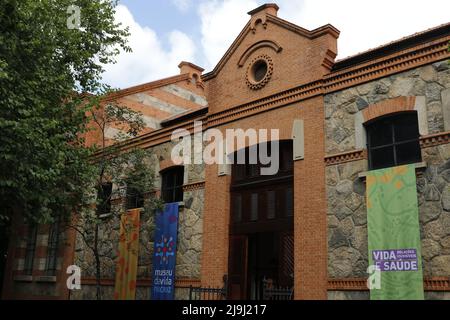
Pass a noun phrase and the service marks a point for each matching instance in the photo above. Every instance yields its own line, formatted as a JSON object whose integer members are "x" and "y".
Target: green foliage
{"x": 50, "y": 95}
{"x": 44, "y": 165}
{"x": 124, "y": 169}
{"x": 113, "y": 164}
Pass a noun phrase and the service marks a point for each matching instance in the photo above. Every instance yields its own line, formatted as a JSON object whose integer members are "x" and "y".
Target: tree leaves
{"x": 44, "y": 166}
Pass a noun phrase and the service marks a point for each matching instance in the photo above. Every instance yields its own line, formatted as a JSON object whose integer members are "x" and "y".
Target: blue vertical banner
{"x": 165, "y": 252}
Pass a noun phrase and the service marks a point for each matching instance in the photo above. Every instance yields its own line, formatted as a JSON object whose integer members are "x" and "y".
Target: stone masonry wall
{"x": 347, "y": 215}
{"x": 190, "y": 229}
{"x": 340, "y": 107}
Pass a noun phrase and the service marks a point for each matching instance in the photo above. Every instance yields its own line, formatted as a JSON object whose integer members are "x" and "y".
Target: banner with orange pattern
{"x": 127, "y": 259}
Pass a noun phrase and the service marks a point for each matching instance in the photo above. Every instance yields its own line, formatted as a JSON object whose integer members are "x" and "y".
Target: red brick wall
{"x": 309, "y": 203}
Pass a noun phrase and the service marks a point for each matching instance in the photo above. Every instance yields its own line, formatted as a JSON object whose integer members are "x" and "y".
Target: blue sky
{"x": 164, "y": 16}
{"x": 165, "y": 32}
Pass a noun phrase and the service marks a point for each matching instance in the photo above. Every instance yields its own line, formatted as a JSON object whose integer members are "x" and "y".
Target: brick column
{"x": 310, "y": 218}
{"x": 216, "y": 218}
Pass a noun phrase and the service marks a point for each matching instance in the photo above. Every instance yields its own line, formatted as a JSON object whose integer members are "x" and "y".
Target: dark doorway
{"x": 261, "y": 228}
{"x": 263, "y": 262}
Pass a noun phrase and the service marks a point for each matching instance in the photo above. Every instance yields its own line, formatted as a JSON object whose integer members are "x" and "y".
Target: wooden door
{"x": 238, "y": 261}
{"x": 286, "y": 271}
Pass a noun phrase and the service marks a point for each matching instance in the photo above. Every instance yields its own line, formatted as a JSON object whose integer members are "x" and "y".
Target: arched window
{"x": 393, "y": 141}
{"x": 172, "y": 184}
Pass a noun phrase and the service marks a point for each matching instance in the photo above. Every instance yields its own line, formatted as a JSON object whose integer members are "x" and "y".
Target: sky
{"x": 166, "y": 32}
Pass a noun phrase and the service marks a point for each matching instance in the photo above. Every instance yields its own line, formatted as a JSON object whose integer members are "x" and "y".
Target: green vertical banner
{"x": 394, "y": 234}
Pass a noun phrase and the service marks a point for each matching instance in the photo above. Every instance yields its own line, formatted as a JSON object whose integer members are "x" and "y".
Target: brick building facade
{"x": 277, "y": 75}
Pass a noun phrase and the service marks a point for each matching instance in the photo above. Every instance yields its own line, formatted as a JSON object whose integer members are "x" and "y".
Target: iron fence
{"x": 209, "y": 293}
{"x": 278, "y": 293}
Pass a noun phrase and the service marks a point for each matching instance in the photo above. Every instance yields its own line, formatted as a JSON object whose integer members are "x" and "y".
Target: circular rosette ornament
{"x": 259, "y": 72}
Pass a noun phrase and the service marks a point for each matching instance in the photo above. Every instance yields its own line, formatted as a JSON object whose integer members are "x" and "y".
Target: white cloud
{"x": 182, "y": 5}
{"x": 363, "y": 24}
{"x": 367, "y": 24}
{"x": 149, "y": 60}
{"x": 221, "y": 23}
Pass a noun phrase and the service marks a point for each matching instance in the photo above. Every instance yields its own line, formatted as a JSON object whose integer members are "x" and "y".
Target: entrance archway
{"x": 261, "y": 246}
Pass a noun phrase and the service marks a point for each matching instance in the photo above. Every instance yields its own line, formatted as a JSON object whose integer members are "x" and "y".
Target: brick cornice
{"x": 397, "y": 62}
{"x": 360, "y": 284}
{"x": 326, "y": 29}
{"x": 145, "y": 87}
{"x": 414, "y": 57}
{"x": 344, "y": 157}
{"x": 156, "y": 137}
{"x": 401, "y": 61}
{"x": 433, "y": 140}
{"x": 194, "y": 186}
{"x": 290, "y": 96}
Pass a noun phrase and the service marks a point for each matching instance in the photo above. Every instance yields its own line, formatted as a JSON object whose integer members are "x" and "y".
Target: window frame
{"x": 394, "y": 143}
{"x": 134, "y": 198}
{"x": 269, "y": 194}
{"x": 104, "y": 208}
{"x": 172, "y": 180}
{"x": 245, "y": 173}
{"x": 30, "y": 250}
{"x": 52, "y": 248}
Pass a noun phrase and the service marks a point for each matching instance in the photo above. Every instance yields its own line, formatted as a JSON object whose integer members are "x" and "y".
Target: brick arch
{"x": 166, "y": 164}
{"x": 387, "y": 107}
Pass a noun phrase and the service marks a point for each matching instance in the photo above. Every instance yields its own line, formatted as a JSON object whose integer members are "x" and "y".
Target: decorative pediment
{"x": 261, "y": 44}
{"x": 265, "y": 15}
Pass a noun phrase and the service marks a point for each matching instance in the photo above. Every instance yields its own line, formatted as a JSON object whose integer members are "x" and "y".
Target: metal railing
{"x": 278, "y": 293}
{"x": 209, "y": 293}
{"x": 274, "y": 292}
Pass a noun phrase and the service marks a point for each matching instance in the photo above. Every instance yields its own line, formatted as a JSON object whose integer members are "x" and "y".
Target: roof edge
{"x": 263, "y": 7}
{"x": 393, "y": 47}
{"x": 145, "y": 86}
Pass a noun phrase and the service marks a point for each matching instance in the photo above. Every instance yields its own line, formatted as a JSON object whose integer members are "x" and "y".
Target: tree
{"x": 121, "y": 171}
{"x": 46, "y": 69}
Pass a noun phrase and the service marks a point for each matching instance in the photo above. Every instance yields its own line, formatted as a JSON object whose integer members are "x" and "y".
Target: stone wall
{"x": 190, "y": 232}
{"x": 347, "y": 221}
{"x": 364, "y": 295}
{"x": 190, "y": 229}
{"x": 340, "y": 107}
{"x": 347, "y": 215}
{"x": 434, "y": 211}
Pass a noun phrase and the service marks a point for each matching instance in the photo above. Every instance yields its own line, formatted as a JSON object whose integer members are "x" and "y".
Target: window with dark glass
{"x": 237, "y": 207}
{"x": 104, "y": 199}
{"x": 289, "y": 198}
{"x": 30, "y": 250}
{"x": 135, "y": 197}
{"x": 172, "y": 184}
{"x": 393, "y": 141}
{"x": 52, "y": 249}
{"x": 271, "y": 204}
{"x": 259, "y": 199}
{"x": 250, "y": 171}
{"x": 254, "y": 207}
